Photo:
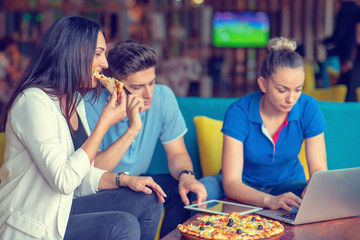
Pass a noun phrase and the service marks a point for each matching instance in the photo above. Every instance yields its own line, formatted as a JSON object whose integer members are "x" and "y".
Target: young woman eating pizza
{"x": 50, "y": 153}
{"x": 263, "y": 133}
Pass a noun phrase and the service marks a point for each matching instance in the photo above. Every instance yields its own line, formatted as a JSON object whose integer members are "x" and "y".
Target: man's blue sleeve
{"x": 174, "y": 125}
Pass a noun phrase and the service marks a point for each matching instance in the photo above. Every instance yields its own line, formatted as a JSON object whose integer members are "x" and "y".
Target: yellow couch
{"x": 341, "y": 136}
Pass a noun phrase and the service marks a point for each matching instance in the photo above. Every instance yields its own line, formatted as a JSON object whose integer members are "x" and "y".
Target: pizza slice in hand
{"x": 111, "y": 84}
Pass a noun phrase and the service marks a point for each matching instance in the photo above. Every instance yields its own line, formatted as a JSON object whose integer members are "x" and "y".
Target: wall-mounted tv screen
{"x": 240, "y": 29}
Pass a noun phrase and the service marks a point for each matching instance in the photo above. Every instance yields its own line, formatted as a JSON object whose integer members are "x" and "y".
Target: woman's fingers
{"x": 122, "y": 98}
{"x": 289, "y": 201}
{"x": 113, "y": 98}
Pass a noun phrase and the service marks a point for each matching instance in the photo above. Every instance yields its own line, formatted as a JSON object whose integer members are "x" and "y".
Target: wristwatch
{"x": 117, "y": 178}
{"x": 189, "y": 172}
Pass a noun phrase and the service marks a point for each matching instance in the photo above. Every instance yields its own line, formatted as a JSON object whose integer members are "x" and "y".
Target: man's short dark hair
{"x": 127, "y": 58}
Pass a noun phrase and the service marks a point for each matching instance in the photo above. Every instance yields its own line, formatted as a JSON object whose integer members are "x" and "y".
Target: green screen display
{"x": 240, "y": 29}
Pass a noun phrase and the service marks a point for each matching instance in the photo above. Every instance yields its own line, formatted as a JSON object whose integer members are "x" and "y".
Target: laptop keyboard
{"x": 288, "y": 215}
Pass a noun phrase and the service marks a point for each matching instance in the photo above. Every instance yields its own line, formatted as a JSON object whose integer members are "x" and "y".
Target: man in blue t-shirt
{"x": 152, "y": 113}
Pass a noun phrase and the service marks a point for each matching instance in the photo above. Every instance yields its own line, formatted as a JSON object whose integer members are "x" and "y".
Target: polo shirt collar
{"x": 254, "y": 111}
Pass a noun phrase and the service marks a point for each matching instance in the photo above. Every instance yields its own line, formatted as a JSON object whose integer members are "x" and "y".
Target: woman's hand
{"x": 143, "y": 184}
{"x": 115, "y": 111}
{"x": 134, "y": 106}
{"x": 286, "y": 201}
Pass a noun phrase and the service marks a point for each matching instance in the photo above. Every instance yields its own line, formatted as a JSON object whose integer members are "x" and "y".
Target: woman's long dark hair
{"x": 62, "y": 63}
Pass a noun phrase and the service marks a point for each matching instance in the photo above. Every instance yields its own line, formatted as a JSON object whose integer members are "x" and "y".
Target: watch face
{"x": 117, "y": 179}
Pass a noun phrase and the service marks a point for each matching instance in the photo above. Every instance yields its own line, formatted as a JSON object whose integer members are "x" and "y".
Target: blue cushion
{"x": 342, "y": 137}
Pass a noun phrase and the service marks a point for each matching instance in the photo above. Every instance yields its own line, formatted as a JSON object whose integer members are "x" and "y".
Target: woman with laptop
{"x": 263, "y": 134}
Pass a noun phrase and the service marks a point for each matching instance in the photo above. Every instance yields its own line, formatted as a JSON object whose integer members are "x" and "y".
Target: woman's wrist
{"x": 266, "y": 200}
{"x": 103, "y": 124}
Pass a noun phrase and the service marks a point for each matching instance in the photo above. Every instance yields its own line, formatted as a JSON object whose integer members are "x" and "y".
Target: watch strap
{"x": 189, "y": 172}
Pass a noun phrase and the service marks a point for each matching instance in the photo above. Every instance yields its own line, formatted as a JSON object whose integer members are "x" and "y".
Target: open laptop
{"x": 330, "y": 195}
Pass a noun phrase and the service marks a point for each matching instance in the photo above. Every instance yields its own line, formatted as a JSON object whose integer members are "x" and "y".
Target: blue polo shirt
{"x": 266, "y": 163}
{"x": 163, "y": 120}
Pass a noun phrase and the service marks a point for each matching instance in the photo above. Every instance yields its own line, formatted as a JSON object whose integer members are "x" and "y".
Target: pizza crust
{"x": 191, "y": 237}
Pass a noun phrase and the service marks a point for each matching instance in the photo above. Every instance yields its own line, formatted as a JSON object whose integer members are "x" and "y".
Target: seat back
{"x": 358, "y": 94}
{"x": 332, "y": 94}
{"x": 302, "y": 157}
{"x": 341, "y": 136}
{"x": 210, "y": 143}
{"x": 309, "y": 82}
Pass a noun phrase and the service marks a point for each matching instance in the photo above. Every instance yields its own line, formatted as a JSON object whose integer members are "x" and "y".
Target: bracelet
{"x": 189, "y": 172}
{"x": 117, "y": 178}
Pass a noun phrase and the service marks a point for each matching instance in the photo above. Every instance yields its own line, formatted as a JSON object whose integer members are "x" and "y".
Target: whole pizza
{"x": 232, "y": 226}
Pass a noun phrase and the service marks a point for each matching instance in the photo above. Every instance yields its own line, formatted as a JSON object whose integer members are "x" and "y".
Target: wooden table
{"x": 340, "y": 229}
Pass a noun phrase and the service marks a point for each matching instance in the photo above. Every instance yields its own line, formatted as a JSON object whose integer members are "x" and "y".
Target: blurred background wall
{"x": 197, "y": 57}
